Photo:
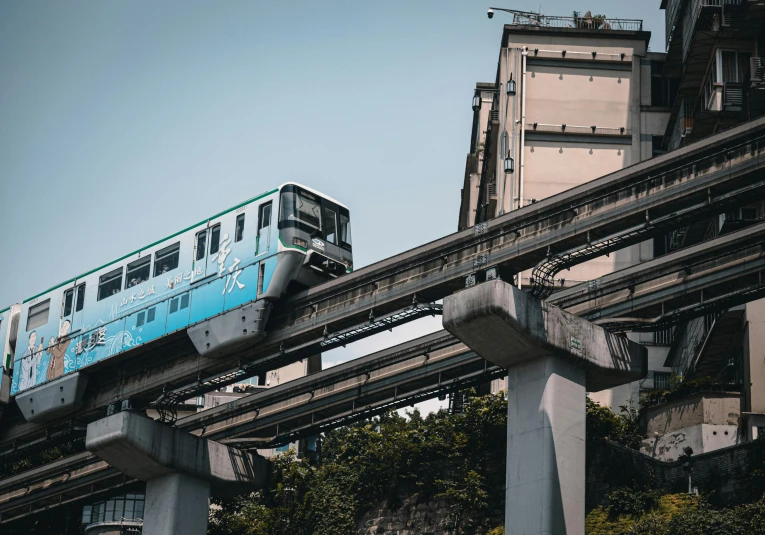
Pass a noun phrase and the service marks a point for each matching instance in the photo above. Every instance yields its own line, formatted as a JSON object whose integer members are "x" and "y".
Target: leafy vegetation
{"x": 678, "y": 514}
{"x": 603, "y": 423}
{"x": 458, "y": 458}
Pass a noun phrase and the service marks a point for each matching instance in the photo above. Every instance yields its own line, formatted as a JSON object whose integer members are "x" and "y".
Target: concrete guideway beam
{"x": 181, "y": 470}
{"x": 553, "y": 359}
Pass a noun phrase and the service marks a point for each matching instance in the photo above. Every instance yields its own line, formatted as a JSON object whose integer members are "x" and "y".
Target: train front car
{"x": 309, "y": 244}
{"x": 314, "y": 240}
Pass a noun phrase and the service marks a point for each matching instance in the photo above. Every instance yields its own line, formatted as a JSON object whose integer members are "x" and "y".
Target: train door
{"x": 78, "y": 306}
{"x": 263, "y": 243}
{"x": 67, "y": 307}
{"x": 199, "y": 262}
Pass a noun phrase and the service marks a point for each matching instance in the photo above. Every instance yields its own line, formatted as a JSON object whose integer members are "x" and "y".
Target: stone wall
{"x": 723, "y": 474}
{"x": 434, "y": 517}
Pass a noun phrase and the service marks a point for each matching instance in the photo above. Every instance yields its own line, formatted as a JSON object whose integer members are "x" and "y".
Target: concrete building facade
{"x": 714, "y": 53}
{"x": 574, "y": 98}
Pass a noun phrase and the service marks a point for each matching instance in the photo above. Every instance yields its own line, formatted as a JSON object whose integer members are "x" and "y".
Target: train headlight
{"x": 300, "y": 242}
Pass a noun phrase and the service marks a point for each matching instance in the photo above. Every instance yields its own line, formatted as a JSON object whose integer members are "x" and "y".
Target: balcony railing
{"x": 594, "y": 23}
{"x": 756, "y": 70}
{"x": 698, "y": 18}
{"x": 671, "y": 17}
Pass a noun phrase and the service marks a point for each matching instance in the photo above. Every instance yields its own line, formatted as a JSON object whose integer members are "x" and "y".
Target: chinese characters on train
{"x": 233, "y": 271}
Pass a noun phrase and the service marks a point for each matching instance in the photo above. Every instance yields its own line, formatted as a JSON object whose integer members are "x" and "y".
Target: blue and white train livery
{"x": 233, "y": 265}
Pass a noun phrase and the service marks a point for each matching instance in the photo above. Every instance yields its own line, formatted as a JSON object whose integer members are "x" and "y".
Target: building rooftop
{"x": 577, "y": 20}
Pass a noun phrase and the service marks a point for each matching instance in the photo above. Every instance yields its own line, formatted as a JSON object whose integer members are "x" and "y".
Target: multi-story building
{"x": 574, "y": 98}
{"x": 714, "y": 50}
{"x": 578, "y": 97}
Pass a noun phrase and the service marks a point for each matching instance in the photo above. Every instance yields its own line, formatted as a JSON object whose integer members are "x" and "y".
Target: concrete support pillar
{"x": 176, "y": 504}
{"x": 545, "y": 421}
{"x": 553, "y": 359}
{"x": 181, "y": 470}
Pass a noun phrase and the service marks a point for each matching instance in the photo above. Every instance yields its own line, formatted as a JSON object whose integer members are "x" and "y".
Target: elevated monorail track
{"x": 725, "y": 168}
{"x": 430, "y": 366}
{"x": 708, "y": 277}
{"x": 606, "y": 214}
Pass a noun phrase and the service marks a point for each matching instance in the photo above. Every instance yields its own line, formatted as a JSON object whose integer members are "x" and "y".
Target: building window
{"x": 663, "y": 90}
{"x": 126, "y": 507}
{"x": 239, "y": 232}
{"x": 664, "y": 337}
{"x": 38, "y": 315}
{"x": 166, "y": 260}
{"x": 138, "y": 272}
{"x": 657, "y": 148}
{"x": 109, "y": 284}
{"x": 661, "y": 380}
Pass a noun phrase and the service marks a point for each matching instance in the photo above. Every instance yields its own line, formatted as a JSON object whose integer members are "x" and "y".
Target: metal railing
{"x": 671, "y": 17}
{"x": 593, "y": 23}
{"x": 756, "y": 70}
{"x": 697, "y": 19}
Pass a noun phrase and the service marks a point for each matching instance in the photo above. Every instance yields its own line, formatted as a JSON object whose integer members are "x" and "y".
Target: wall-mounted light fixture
{"x": 511, "y": 86}
{"x": 477, "y": 101}
{"x": 509, "y": 164}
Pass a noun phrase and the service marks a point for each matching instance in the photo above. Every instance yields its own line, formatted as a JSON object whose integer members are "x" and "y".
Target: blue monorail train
{"x": 217, "y": 280}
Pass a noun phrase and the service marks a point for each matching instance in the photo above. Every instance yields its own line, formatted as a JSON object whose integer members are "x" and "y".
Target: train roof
{"x": 224, "y": 212}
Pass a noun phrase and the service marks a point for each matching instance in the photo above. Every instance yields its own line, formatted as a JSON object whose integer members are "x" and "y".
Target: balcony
{"x": 703, "y": 19}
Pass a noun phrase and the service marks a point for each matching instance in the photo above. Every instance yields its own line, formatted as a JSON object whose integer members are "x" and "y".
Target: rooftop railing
{"x": 593, "y": 23}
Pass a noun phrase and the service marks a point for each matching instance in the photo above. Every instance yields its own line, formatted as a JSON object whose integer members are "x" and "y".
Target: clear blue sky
{"x": 122, "y": 121}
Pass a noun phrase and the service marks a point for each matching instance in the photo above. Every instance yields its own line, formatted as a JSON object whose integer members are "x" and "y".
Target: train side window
{"x": 138, "y": 272}
{"x": 201, "y": 244}
{"x": 166, "y": 259}
{"x": 38, "y": 315}
{"x": 239, "y": 233}
{"x": 109, "y": 284}
{"x": 330, "y": 225}
{"x": 80, "y": 298}
{"x": 68, "y": 302}
{"x": 215, "y": 239}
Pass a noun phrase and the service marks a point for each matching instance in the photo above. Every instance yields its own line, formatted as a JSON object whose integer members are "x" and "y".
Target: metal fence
{"x": 594, "y": 23}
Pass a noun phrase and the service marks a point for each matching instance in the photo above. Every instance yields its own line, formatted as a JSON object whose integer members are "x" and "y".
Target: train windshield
{"x": 315, "y": 215}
